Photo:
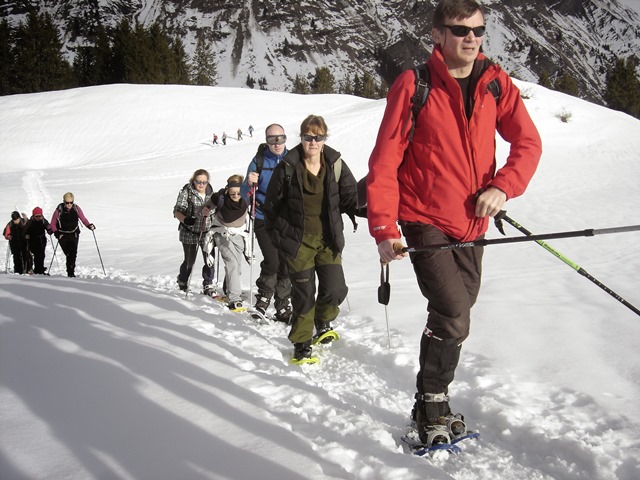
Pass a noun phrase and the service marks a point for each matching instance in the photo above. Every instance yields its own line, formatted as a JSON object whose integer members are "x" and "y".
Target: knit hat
{"x": 37, "y": 211}
{"x": 15, "y": 215}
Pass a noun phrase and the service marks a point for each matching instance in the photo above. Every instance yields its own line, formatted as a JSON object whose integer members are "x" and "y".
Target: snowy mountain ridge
{"x": 277, "y": 39}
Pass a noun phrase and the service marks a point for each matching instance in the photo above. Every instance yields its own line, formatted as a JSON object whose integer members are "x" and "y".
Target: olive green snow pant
{"x": 315, "y": 258}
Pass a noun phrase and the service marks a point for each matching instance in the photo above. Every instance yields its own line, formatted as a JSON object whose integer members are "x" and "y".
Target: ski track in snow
{"x": 567, "y": 432}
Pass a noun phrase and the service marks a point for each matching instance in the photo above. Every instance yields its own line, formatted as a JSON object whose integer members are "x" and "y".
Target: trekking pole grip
{"x": 398, "y": 248}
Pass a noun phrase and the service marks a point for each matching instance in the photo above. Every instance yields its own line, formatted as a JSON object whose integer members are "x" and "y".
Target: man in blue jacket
{"x": 274, "y": 275}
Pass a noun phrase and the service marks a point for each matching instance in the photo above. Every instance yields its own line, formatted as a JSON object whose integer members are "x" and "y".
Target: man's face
{"x": 276, "y": 149}
{"x": 459, "y": 52}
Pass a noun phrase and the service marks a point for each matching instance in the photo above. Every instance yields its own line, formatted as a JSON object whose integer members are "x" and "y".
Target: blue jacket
{"x": 271, "y": 161}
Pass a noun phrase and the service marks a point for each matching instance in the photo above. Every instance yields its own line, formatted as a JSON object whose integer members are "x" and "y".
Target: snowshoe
{"x": 325, "y": 336}
{"x": 302, "y": 354}
{"x": 236, "y": 306}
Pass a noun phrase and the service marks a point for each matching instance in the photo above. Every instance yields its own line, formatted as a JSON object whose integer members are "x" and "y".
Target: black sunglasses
{"x": 68, "y": 203}
{"x": 276, "y": 139}
{"x": 463, "y": 30}
{"x": 317, "y": 138}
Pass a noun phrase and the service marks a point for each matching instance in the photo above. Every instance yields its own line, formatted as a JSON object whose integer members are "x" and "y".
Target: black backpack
{"x": 423, "y": 87}
{"x": 260, "y": 158}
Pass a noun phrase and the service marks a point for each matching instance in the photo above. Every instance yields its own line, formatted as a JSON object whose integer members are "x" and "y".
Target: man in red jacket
{"x": 441, "y": 185}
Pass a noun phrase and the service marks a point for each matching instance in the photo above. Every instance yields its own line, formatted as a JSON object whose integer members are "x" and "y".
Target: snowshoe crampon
{"x": 440, "y": 440}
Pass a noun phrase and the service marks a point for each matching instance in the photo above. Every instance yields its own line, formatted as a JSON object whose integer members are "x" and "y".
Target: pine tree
{"x": 121, "y": 52}
{"x": 623, "y": 87}
{"x": 565, "y": 83}
{"x": 369, "y": 88}
{"x": 158, "y": 55}
{"x": 204, "y": 68}
{"x": 383, "y": 88}
{"x": 179, "y": 72}
{"x": 301, "y": 86}
{"x": 544, "y": 80}
{"x": 38, "y": 52}
{"x": 323, "y": 81}
{"x": 6, "y": 57}
{"x": 346, "y": 86}
{"x": 357, "y": 85}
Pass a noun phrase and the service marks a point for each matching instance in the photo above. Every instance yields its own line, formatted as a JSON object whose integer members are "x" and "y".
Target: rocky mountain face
{"x": 276, "y": 40}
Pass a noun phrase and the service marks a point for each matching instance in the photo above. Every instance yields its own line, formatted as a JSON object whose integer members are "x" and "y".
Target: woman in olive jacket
{"x": 309, "y": 191}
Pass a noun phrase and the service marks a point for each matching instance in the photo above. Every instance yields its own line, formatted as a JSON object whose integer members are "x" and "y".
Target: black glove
{"x": 361, "y": 212}
{"x": 57, "y": 234}
{"x": 91, "y": 226}
{"x": 189, "y": 221}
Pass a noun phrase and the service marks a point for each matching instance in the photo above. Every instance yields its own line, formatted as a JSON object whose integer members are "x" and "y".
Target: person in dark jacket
{"x": 273, "y": 281}
{"x": 15, "y": 232}
{"x": 65, "y": 225}
{"x": 36, "y": 234}
{"x": 307, "y": 194}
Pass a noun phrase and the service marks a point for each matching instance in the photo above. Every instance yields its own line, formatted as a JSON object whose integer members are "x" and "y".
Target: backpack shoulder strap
{"x": 495, "y": 89}
{"x": 337, "y": 169}
{"x": 420, "y": 95}
{"x": 260, "y": 157}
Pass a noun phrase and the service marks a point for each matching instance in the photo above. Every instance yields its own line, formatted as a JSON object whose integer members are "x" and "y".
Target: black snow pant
{"x": 38, "y": 246}
{"x": 274, "y": 273}
{"x": 190, "y": 254}
{"x": 21, "y": 257}
{"x": 450, "y": 281}
{"x": 69, "y": 245}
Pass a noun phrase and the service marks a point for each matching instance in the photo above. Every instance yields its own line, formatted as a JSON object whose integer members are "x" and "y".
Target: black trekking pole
{"x": 252, "y": 233}
{"x": 6, "y": 262}
{"x": 384, "y": 294}
{"x": 503, "y": 216}
{"x": 100, "y": 256}
{"x": 54, "y": 255}
{"x": 531, "y": 238}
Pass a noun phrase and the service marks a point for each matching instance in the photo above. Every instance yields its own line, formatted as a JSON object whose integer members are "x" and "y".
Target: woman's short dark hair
{"x": 314, "y": 124}
{"x": 454, "y": 9}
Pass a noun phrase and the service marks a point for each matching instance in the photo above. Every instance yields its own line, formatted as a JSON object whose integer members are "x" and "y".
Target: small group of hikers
{"x": 225, "y": 136}
{"x": 432, "y": 179}
{"x": 297, "y": 197}
{"x": 28, "y": 236}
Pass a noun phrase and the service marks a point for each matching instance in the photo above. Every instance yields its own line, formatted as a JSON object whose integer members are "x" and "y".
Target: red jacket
{"x": 434, "y": 179}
